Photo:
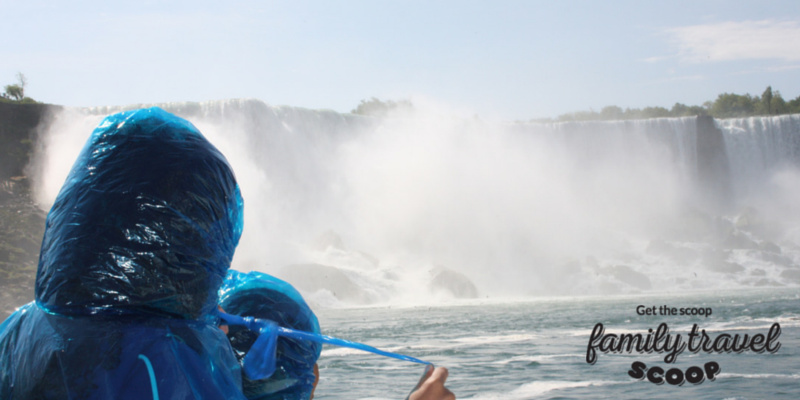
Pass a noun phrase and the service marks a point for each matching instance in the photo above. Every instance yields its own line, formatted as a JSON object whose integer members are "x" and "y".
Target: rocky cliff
{"x": 21, "y": 220}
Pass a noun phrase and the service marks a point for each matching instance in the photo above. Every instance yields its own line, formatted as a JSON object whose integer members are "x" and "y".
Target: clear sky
{"x": 498, "y": 59}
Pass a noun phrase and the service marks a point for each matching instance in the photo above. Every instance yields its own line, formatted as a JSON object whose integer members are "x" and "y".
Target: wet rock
{"x": 570, "y": 267}
{"x": 21, "y": 229}
{"x": 791, "y": 274}
{"x": 326, "y": 240}
{"x": 766, "y": 282}
{"x": 749, "y": 219}
{"x": 390, "y": 275}
{"x": 712, "y": 255}
{"x": 455, "y": 283}
{"x": 369, "y": 257}
{"x": 698, "y": 284}
{"x": 738, "y": 240}
{"x": 693, "y": 224}
{"x": 659, "y": 247}
{"x": 723, "y": 267}
{"x": 627, "y": 257}
{"x": 769, "y": 247}
{"x": 314, "y": 277}
{"x": 722, "y": 226}
{"x": 609, "y": 288}
{"x": 627, "y": 275}
{"x": 777, "y": 259}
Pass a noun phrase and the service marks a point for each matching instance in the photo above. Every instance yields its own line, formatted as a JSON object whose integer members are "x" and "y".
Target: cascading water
{"x": 762, "y": 151}
{"x": 758, "y": 145}
{"x": 419, "y": 207}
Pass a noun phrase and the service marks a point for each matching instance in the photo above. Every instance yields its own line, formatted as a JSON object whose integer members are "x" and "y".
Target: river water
{"x": 536, "y": 349}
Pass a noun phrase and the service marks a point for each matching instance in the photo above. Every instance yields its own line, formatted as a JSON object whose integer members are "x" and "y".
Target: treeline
{"x": 15, "y": 93}
{"x": 378, "y": 108}
{"x": 727, "y": 105}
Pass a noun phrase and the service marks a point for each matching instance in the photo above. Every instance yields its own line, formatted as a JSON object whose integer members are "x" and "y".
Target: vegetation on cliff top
{"x": 15, "y": 92}
{"x": 377, "y": 108}
{"x": 727, "y": 105}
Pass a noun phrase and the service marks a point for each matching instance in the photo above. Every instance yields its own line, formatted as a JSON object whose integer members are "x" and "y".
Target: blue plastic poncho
{"x": 135, "y": 250}
{"x": 266, "y": 297}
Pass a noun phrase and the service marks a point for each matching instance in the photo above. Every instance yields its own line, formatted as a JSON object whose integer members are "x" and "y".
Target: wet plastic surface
{"x": 290, "y": 362}
{"x": 146, "y": 222}
{"x": 46, "y": 356}
{"x": 276, "y": 336}
{"x": 135, "y": 249}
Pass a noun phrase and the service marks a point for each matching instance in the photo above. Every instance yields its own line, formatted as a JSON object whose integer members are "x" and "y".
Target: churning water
{"x": 536, "y": 349}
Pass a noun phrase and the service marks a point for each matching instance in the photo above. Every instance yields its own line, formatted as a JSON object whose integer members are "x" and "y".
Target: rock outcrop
{"x": 326, "y": 240}
{"x": 627, "y": 275}
{"x": 314, "y": 277}
{"x": 454, "y": 283}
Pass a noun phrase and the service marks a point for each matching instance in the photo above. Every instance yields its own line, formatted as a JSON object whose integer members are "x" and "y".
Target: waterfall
{"x": 397, "y": 205}
{"x": 759, "y": 146}
{"x": 675, "y": 138}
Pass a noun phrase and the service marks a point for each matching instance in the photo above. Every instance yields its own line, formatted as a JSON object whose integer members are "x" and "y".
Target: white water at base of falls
{"x": 519, "y": 209}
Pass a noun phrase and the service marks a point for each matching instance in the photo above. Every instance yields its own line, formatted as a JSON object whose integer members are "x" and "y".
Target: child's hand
{"x": 433, "y": 387}
{"x": 224, "y": 328}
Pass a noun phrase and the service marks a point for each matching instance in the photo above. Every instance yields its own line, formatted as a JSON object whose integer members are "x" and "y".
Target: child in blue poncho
{"x": 296, "y": 374}
{"x": 263, "y": 296}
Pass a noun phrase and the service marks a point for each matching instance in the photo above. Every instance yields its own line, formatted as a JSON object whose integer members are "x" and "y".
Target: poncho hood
{"x": 146, "y": 223}
{"x": 263, "y": 296}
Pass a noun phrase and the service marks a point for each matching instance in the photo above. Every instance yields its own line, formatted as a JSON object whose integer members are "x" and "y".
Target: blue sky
{"x": 501, "y": 59}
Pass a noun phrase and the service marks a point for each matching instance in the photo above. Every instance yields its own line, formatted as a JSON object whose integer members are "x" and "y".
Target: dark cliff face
{"x": 21, "y": 220}
{"x": 18, "y": 123}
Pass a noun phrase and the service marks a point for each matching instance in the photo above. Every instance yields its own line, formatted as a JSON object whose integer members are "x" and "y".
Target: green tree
{"x": 682, "y": 110}
{"x": 377, "y": 108}
{"x": 766, "y": 99}
{"x": 778, "y": 104}
{"x": 730, "y": 105}
{"x": 17, "y": 91}
{"x": 579, "y": 116}
{"x": 793, "y": 106}
{"x": 727, "y": 105}
{"x": 679, "y": 110}
{"x": 654, "y": 112}
{"x": 612, "y": 112}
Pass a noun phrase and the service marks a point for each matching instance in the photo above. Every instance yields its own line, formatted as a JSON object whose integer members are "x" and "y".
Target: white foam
{"x": 496, "y": 339}
{"x": 759, "y": 376}
{"x": 543, "y": 358}
{"x": 345, "y": 351}
{"x": 535, "y": 389}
